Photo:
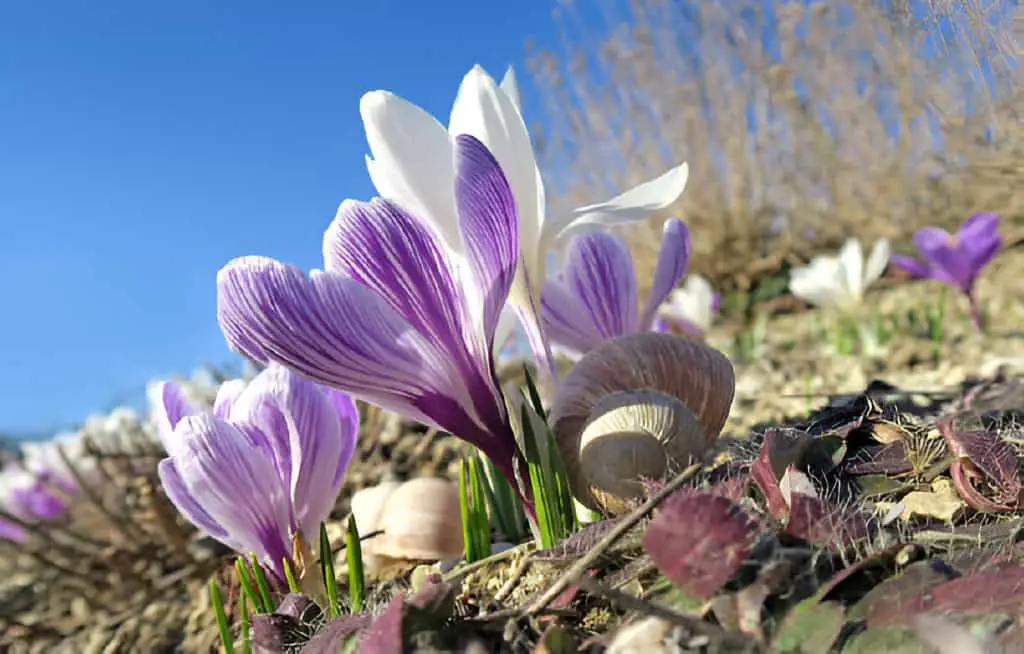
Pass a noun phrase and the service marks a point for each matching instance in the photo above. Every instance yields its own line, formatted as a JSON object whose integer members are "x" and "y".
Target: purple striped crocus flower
{"x": 956, "y": 259}
{"x": 594, "y": 297}
{"x": 262, "y": 470}
{"x": 397, "y": 319}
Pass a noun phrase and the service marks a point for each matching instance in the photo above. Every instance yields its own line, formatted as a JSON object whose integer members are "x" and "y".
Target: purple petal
{"x": 36, "y": 501}
{"x": 331, "y": 329}
{"x": 171, "y": 407}
{"x": 566, "y": 321}
{"x": 982, "y": 226}
{"x": 179, "y": 495}
{"x": 395, "y": 256}
{"x": 490, "y": 226}
{"x": 12, "y": 532}
{"x": 599, "y": 272}
{"x": 336, "y": 332}
{"x": 226, "y": 396}
{"x": 348, "y": 417}
{"x": 979, "y": 240}
{"x": 236, "y": 484}
{"x": 945, "y": 260}
{"x": 910, "y": 265}
{"x": 672, "y": 261}
{"x": 401, "y": 261}
{"x": 294, "y": 412}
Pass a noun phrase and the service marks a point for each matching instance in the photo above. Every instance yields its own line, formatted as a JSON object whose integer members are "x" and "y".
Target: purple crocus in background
{"x": 594, "y": 297}
{"x": 956, "y": 259}
{"x": 28, "y": 498}
{"x": 397, "y": 319}
{"x": 262, "y": 470}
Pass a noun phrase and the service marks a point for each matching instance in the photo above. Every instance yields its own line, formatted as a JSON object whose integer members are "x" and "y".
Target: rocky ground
{"x": 129, "y": 578}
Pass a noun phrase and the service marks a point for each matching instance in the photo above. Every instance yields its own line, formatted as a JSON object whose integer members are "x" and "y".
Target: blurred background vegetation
{"x": 803, "y": 123}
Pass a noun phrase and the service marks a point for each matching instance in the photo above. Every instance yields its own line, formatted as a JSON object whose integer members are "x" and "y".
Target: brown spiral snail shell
{"x": 639, "y": 407}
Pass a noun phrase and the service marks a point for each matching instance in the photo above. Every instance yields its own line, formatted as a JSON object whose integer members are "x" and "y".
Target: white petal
{"x": 700, "y": 298}
{"x": 503, "y": 332}
{"x": 877, "y": 262}
{"x": 511, "y": 88}
{"x": 818, "y": 283}
{"x": 635, "y": 204}
{"x": 851, "y": 261}
{"x": 483, "y": 110}
{"x": 412, "y": 161}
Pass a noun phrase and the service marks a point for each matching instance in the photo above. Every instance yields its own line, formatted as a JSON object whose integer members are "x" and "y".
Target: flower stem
{"x": 975, "y": 312}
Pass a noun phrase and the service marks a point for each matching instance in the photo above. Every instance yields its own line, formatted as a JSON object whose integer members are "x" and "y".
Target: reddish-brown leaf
{"x": 699, "y": 540}
{"x": 985, "y": 472}
{"x": 820, "y": 523}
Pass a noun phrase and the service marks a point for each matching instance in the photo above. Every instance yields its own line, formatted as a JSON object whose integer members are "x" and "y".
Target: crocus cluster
{"x": 407, "y": 310}
{"x": 956, "y": 259}
{"x": 262, "y": 469}
{"x": 594, "y": 296}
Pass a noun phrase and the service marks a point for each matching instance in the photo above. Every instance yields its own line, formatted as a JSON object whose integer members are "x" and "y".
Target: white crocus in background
{"x": 691, "y": 308}
{"x": 411, "y": 163}
{"x": 840, "y": 280}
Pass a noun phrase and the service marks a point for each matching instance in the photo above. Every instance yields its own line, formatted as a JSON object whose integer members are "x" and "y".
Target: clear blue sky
{"x": 144, "y": 144}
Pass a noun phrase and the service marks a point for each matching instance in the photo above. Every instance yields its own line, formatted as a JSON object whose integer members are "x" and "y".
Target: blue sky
{"x": 144, "y": 144}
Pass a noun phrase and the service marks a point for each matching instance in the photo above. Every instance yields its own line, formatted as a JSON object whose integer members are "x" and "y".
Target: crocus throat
{"x": 951, "y": 240}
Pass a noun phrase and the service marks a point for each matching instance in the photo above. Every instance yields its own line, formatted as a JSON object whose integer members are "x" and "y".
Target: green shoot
{"x": 506, "y": 510}
{"x": 476, "y": 527}
{"x": 249, "y": 586}
{"x": 261, "y": 583}
{"x": 289, "y": 575}
{"x": 222, "y": 619}
{"x": 936, "y": 324}
{"x": 354, "y": 557}
{"x": 244, "y": 627}
{"x": 556, "y": 515}
{"x": 327, "y": 568}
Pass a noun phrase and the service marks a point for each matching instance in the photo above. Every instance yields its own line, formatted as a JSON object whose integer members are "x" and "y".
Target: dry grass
{"x": 803, "y": 123}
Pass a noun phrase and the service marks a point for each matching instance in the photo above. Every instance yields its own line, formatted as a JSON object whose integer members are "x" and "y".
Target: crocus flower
{"x": 840, "y": 280}
{"x": 956, "y": 259}
{"x": 689, "y": 309}
{"x": 396, "y": 319}
{"x": 26, "y": 497}
{"x": 411, "y": 166}
{"x": 262, "y": 470}
{"x": 594, "y": 298}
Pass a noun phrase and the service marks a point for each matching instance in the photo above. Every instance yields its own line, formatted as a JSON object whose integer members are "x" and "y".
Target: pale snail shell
{"x": 421, "y": 520}
{"x": 639, "y": 407}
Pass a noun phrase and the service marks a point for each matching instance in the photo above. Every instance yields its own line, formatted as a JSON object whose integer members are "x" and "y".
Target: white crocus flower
{"x": 840, "y": 280}
{"x": 694, "y": 305}
{"x": 412, "y": 163}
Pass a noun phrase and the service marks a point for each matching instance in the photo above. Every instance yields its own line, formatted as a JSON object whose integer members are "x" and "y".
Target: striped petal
{"x": 487, "y": 214}
{"x": 673, "y": 258}
{"x": 304, "y": 426}
{"x": 599, "y": 272}
{"x": 567, "y": 322}
{"x": 390, "y": 252}
{"x": 226, "y": 473}
{"x": 337, "y": 332}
